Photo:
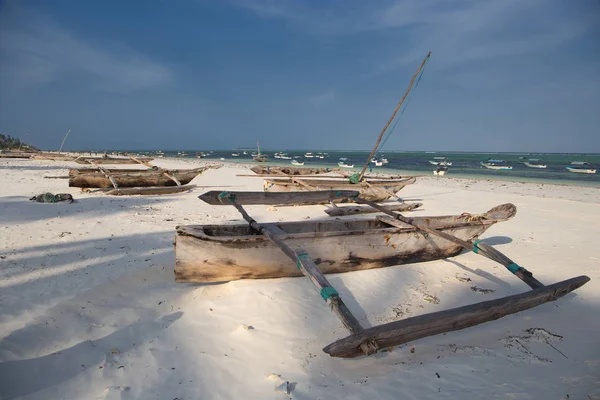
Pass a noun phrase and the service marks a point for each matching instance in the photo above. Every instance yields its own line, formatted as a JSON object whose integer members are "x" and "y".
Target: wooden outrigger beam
{"x": 368, "y": 341}
{"x": 338, "y": 211}
{"x": 147, "y": 164}
{"x": 105, "y": 172}
{"x": 409, "y": 329}
{"x": 219, "y": 198}
{"x": 309, "y": 269}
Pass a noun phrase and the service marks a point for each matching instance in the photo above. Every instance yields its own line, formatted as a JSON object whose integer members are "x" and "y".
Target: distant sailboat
{"x": 259, "y": 157}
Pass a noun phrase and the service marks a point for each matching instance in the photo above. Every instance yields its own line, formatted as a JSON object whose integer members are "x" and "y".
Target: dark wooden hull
{"x": 215, "y": 253}
{"x": 111, "y": 160}
{"x": 147, "y": 178}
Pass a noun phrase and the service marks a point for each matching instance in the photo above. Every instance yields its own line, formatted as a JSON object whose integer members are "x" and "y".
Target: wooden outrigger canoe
{"x": 277, "y": 170}
{"x": 216, "y": 253}
{"x": 88, "y": 171}
{"x": 54, "y": 157}
{"x": 139, "y": 178}
{"x": 111, "y": 160}
{"x": 372, "y": 190}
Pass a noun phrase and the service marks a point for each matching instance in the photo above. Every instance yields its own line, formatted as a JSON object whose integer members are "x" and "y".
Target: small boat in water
{"x": 581, "y": 169}
{"x": 532, "y": 162}
{"x": 496, "y": 164}
{"x": 235, "y": 154}
{"x": 309, "y": 155}
{"x": 345, "y": 163}
{"x": 297, "y": 162}
{"x": 440, "y": 161}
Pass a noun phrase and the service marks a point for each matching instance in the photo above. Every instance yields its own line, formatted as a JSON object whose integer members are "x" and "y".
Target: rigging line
{"x": 401, "y": 112}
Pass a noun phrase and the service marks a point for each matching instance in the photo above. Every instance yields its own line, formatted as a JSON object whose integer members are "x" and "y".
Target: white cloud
{"x": 457, "y": 31}
{"x": 35, "y": 50}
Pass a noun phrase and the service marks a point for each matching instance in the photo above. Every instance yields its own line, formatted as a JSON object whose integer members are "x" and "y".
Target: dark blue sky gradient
{"x": 505, "y": 75}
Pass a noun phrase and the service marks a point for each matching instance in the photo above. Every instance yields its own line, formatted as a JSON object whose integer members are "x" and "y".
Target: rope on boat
{"x": 328, "y": 292}
{"x": 299, "y": 257}
{"x": 500, "y": 258}
{"x": 230, "y": 197}
{"x": 418, "y": 74}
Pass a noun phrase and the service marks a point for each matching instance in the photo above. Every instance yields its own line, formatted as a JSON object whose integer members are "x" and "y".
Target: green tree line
{"x": 9, "y": 142}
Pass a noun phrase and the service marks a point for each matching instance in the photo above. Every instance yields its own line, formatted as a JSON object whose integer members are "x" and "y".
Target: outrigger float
{"x": 250, "y": 254}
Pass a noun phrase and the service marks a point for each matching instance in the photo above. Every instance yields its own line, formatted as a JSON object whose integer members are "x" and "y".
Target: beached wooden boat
{"x": 279, "y": 170}
{"x": 16, "y": 155}
{"x": 133, "y": 178}
{"x": 215, "y": 253}
{"x": 54, "y": 157}
{"x": 373, "y": 189}
{"x": 111, "y": 160}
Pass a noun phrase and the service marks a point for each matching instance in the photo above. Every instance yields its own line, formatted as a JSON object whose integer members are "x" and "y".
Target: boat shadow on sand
{"x": 19, "y": 209}
{"x": 17, "y": 377}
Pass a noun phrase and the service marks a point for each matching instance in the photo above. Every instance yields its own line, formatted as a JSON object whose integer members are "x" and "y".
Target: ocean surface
{"x": 464, "y": 165}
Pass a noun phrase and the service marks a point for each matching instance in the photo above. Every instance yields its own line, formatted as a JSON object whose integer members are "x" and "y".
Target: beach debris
{"x": 272, "y": 208}
{"x": 482, "y": 291}
{"x": 273, "y": 376}
{"x": 52, "y": 198}
{"x": 283, "y": 388}
{"x": 243, "y": 328}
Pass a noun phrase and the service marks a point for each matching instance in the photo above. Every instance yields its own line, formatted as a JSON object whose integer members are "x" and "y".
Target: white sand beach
{"x": 89, "y": 308}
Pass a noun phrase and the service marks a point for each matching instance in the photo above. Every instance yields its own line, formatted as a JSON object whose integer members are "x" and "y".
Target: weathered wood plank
{"x": 410, "y": 329}
{"x": 149, "y": 190}
{"x": 353, "y": 210}
{"x": 218, "y": 197}
{"x": 109, "y": 160}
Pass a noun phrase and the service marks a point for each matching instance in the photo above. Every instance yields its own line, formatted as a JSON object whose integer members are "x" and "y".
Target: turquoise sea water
{"x": 464, "y": 165}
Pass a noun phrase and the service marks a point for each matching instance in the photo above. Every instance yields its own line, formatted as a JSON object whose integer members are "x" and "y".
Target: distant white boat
{"x": 235, "y": 154}
{"x": 344, "y": 163}
{"x": 581, "y": 169}
{"x": 496, "y": 164}
{"x": 580, "y": 163}
{"x": 534, "y": 163}
{"x": 440, "y": 161}
{"x": 297, "y": 162}
{"x": 309, "y": 155}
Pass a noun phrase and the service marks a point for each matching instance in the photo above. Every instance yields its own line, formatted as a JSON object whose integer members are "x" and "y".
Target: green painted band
{"x": 226, "y": 195}
{"x": 299, "y": 257}
{"x": 514, "y": 268}
{"x": 327, "y": 292}
{"x": 475, "y": 248}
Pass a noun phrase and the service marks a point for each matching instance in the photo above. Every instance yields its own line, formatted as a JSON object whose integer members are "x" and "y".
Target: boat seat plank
{"x": 393, "y": 222}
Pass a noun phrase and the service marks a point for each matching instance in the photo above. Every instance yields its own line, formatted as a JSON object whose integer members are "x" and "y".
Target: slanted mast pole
{"x": 63, "y": 142}
{"x": 412, "y": 81}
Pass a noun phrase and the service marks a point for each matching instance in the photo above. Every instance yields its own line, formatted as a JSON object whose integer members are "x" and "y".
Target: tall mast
{"x": 412, "y": 81}
{"x": 63, "y": 142}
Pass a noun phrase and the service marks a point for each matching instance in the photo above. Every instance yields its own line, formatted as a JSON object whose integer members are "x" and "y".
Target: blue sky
{"x": 505, "y": 75}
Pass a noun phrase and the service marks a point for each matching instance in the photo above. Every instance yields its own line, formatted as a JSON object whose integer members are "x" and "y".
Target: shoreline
{"x": 89, "y": 300}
